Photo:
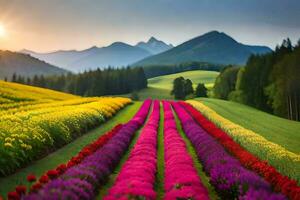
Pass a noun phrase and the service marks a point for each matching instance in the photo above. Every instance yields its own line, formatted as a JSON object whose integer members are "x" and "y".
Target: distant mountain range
{"x": 213, "y": 47}
{"x": 116, "y": 54}
{"x": 25, "y": 65}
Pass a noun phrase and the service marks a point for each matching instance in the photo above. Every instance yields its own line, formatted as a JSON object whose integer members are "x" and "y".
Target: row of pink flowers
{"x": 137, "y": 176}
{"x": 181, "y": 177}
{"x": 83, "y": 180}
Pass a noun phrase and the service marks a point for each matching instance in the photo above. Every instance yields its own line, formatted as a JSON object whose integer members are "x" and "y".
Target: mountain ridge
{"x": 115, "y": 54}
{"x": 25, "y": 65}
{"x": 213, "y": 47}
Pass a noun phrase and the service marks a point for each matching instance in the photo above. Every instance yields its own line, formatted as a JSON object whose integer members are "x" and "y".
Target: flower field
{"x": 232, "y": 170}
{"x": 286, "y": 162}
{"x": 32, "y": 126}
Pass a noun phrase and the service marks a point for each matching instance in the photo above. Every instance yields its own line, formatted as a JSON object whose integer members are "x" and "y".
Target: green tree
{"x": 179, "y": 88}
{"x": 201, "y": 90}
{"x": 188, "y": 87}
{"x": 225, "y": 82}
{"x": 284, "y": 91}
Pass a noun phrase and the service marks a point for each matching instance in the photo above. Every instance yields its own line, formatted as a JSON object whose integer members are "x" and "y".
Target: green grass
{"x": 160, "y": 87}
{"x": 64, "y": 154}
{"x": 199, "y": 76}
{"x": 275, "y": 129}
{"x": 204, "y": 178}
{"x": 159, "y": 183}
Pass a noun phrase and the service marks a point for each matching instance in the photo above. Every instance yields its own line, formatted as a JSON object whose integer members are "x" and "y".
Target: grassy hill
{"x": 166, "y": 82}
{"x": 278, "y": 130}
{"x": 160, "y": 87}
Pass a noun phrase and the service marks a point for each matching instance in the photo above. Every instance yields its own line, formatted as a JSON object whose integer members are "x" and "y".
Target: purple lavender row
{"x": 227, "y": 175}
{"x": 83, "y": 181}
{"x": 181, "y": 178}
{"x": 137, "y": 176}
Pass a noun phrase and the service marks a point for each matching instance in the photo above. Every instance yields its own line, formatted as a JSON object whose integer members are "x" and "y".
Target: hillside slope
{"x": 160, "y": 87}
{"x": 14, "y": 93}
{"x": 275, "y": 129}
{"x": 25, "y": 65}
{"x": 213, "y": 47}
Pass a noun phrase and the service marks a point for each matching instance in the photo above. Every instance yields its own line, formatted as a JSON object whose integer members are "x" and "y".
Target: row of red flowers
{"x": 89, "y": 149}
{"x": 280, "y": 182}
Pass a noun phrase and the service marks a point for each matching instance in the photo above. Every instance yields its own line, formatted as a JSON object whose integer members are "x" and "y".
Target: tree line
{"x": 269, "y": 82}
{"x": 182, "y": 88}
{"x": 91, "y": 83}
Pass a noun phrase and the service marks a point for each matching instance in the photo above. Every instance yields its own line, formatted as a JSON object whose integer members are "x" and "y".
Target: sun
{"x": 2, "y": 31}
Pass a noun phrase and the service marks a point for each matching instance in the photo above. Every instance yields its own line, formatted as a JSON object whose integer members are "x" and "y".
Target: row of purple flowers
{"x": 83, "y": 180}
{"x": 230, "y": 179}
{"x": 181, "y": 177}
{"x": 137, "y": 176}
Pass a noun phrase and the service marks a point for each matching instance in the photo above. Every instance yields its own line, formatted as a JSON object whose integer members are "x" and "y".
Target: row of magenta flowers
{"x": 82, "y": 175}
{"x": 83, "y": 178}
{"x": 181, "y": 177}
{"x": 136, "y": 178}
{"x": 279, "y": 182}
{"x": 230, "y": 179}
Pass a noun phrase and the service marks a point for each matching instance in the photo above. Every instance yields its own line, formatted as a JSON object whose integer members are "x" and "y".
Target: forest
{"x": 268, "y": 82}
{"x": 90, "y": 83}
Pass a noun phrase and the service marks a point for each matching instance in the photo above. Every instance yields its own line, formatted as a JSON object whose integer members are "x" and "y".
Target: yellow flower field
{"x": 286, "y": 162}
{"x": 35, "y": 121}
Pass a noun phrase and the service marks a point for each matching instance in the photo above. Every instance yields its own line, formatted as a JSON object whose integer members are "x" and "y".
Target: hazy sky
{"x": 46, "y": 25}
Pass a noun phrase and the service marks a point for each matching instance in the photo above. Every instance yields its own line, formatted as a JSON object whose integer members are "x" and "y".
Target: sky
{"x": 49, "y": 25}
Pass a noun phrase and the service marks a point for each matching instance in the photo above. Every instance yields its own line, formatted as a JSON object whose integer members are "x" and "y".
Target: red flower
{"x": 35, "y": 187}
{"x": 61, "y": 168}
{"x": 52, "y": 173}
{"x": 21, "y": 189}
{"x": 13, "y": 196}
{"x": 31, "y": 178}
{"x": 44, "y": 179}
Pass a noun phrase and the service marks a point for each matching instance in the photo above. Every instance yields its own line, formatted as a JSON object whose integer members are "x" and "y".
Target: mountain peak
{"x": 212, "y": 47}
{"x": 154, "y": 46}
{"x": 153, "y": 39}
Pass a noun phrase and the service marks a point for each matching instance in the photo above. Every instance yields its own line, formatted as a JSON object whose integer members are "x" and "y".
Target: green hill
{"x": 160, "y": 87}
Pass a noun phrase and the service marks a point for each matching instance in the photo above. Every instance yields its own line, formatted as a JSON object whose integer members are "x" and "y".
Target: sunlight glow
{"x": 2, "y": 31}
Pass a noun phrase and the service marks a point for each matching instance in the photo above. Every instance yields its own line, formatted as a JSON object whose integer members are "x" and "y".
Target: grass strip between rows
{"x": 204, "y": 178}
{"x": 111, "y": 179}
{"x": 159, "y": 184}
{"x": 65, "y": 153}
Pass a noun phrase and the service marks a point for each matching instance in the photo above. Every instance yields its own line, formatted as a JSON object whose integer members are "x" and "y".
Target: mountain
{"x": 25, "y": 65}
{"x": 154, "y": 46}
{"x": 213, "y": 47}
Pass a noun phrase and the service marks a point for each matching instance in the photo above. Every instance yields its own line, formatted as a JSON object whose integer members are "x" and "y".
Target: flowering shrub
{"x": 181, "y": 177}
{"x": 280, "y": 182}
{"x": 137, "y": 176}
{"x": 227, "y": 175}
{"x": 27, "y": 132}
{"x": 286, "y": 162}
{"x": 81, "y": 180}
